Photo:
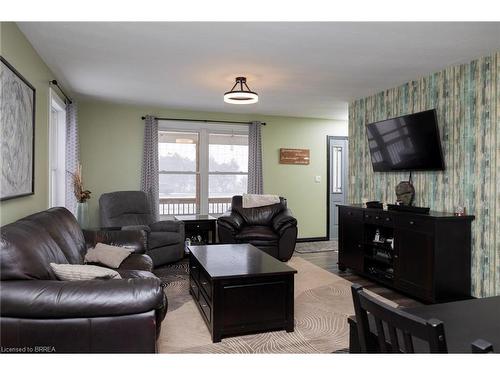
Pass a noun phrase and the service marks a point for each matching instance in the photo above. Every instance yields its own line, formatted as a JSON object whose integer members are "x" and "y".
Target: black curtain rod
{"x": 54, "y": 82}
{"x": 205, "y": 121}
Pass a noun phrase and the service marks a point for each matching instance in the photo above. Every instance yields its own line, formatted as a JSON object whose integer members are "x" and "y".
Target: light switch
{"x": 317, "y": 179}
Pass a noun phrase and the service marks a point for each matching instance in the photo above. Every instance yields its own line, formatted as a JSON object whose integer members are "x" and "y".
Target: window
{"x": 201, "y": 167}
{"x": 57, "y": 152}
{"x": 227, "y": 169}
{"x": 179, "y": 173}
{"x": 337, "y": 169}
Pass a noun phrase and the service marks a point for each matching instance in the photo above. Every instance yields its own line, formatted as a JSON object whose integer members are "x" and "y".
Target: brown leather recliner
{"x": 38, "y": 312}
{"x": 130, "y": 210}
{"x": 271, "y": 228}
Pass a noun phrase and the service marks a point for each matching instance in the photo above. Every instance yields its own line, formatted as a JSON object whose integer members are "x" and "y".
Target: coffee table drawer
{"x": 195, "y": 290}
{"x": 199, "y": 225}
{"x": 194, "y": 269}
{"x": 205, "y": 307}
{"x": 206, "y": 285}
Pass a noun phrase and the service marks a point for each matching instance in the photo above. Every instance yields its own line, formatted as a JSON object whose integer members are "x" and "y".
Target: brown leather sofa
{"x": 272, "y": 228}
{"x": 40, "y": 313}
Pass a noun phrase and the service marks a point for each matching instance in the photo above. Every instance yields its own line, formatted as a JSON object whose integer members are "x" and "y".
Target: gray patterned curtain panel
{"x": 149, "y": 171}
{"x": 255, "y": 181}
{"x": 72, "y": 153}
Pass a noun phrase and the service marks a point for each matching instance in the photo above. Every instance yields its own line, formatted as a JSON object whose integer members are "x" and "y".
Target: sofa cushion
{"x": 159, "y": 239}
{"x": 26, "y": 250}
{"x": 64, "y": 230}
{"x": 122, "y": 208}
{"x": 257, "y": 215}
{"x": 257, "y": 233}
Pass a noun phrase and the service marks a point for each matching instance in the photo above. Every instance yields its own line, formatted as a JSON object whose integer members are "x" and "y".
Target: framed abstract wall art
{"x": 17, "y": 133}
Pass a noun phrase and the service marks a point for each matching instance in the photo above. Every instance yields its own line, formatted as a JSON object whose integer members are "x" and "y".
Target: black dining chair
{"x": 395, "y": 329}
{"x": 481, "y": 346}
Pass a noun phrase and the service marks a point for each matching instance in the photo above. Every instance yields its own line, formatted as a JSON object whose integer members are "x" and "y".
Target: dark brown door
{"x": 413, "y": 262}
{"x": 350, "y": 240}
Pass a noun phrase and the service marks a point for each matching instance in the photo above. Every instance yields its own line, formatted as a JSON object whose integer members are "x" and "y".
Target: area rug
{"x": 322, "y": 304}
{"x": 316, "y": 247}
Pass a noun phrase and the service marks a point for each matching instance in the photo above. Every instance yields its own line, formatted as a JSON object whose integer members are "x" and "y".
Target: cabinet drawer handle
{"x": 396, "y": 256}
{"x": 204, "y": 305}
{"x": 387, "y": 219}
{"x": 376, "y": 217}
{"x": 367, "y": 216}
{"x": 412, "y": 222}
{"x": 204, "y": 283}
{"x": 360, "y": 246}
{"x": 194, "y": 267}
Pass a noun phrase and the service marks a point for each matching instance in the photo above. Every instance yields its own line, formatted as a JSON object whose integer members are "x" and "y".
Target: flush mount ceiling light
{"x": 241, "y": 93}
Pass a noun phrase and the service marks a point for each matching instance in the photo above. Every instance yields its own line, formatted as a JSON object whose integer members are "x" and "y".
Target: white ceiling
{"x": 299, "y": 69}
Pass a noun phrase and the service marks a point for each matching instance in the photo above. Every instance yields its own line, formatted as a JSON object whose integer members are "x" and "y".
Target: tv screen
{"x": 406, "y": 143}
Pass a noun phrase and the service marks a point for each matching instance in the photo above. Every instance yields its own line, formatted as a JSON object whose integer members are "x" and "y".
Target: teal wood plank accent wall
{"x": 467, "y": 101}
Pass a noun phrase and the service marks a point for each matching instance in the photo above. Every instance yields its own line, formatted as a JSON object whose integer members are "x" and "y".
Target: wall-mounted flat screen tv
{"x": 406, "y": 143}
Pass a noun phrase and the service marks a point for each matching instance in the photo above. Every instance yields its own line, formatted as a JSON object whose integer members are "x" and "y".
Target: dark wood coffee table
{"x": 240, "y": 289}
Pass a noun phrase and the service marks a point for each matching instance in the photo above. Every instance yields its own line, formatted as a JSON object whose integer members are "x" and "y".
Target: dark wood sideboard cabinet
{"x": 427, "y": 257}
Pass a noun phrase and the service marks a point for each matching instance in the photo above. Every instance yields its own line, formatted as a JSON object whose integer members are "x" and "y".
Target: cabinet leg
{"x": 342, "y": 267}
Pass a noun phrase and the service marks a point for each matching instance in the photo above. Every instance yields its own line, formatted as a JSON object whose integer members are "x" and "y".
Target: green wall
{"x": 111, "y": 138}
{"x": 111, "y": 146}
{"x": 467, "y": 102}
{"x": 16, "y": 49}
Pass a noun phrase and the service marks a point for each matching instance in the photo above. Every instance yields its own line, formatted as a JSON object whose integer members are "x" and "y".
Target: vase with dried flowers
{"x": 82, "y": 196}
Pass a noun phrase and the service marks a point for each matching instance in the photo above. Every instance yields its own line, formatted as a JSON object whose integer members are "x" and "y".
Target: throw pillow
{"x": 111, "y": 256}
{"x": 259, "y": 200}
{"x": 73, "y": 272}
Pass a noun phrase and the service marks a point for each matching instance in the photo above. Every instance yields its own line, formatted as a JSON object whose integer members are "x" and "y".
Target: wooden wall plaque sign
{"x": 294, "y": 156}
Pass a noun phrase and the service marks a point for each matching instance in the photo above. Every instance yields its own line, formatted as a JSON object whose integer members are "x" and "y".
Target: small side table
{"x": 199, "y": 226}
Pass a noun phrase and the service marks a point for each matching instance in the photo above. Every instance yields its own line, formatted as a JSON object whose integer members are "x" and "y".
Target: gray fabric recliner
{"x": 130, "y": 210}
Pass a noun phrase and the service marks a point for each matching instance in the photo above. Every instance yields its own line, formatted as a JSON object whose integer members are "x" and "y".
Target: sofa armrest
{"x": 167, "y": 226}
{"x": 53, "y": 299}
{"x": 230, "y": 220}
{"x": 283, "y": 221}
{"x": 145, "y": 228}
{"x": 131, "y": 239}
